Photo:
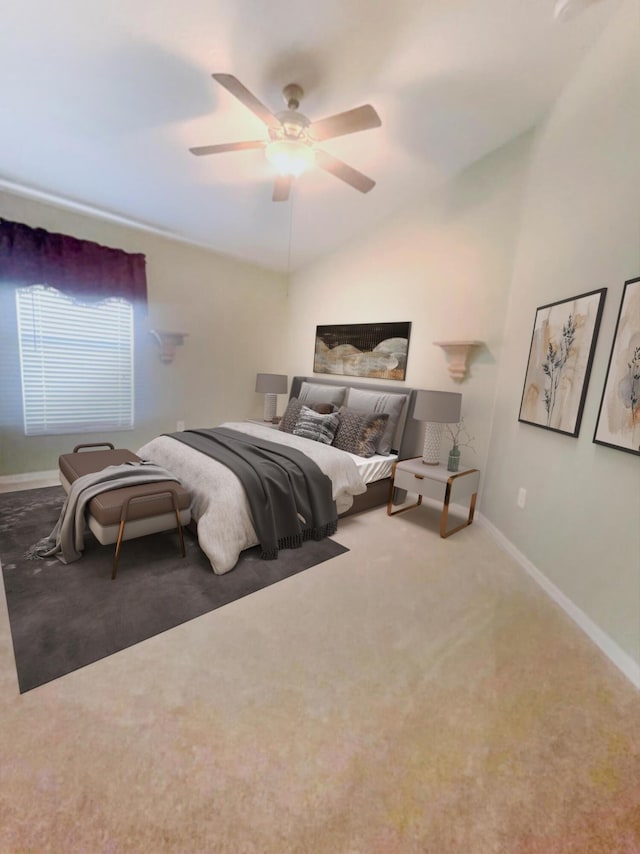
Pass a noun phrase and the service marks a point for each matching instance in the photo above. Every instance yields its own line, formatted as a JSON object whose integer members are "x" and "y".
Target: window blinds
{"x": 76, "y": 361}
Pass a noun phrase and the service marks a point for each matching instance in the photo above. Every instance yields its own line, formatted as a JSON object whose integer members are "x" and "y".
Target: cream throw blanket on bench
{"x": 66, "y": 541}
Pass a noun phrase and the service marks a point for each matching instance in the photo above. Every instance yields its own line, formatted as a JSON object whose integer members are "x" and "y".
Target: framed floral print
{"x": 560, "y": 358}
{"x": 618, "y": 424}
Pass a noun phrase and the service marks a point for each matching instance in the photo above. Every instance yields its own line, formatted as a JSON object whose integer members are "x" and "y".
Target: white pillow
{"x": 318, "y": 393}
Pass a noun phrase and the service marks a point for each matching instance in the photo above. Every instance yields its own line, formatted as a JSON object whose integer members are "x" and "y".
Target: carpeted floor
{"x": 414, "y": 696}
{"x": 66, "y": 616}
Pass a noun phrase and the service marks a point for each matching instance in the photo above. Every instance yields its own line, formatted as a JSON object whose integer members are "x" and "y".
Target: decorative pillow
{"x": 313, "y": 425}
{"x": 312, "y": 393}
{"x": 322, "y": 408}
{"x": 292, "y": 412}
{"x": 378, "y": 401}
{"x": 360, "y": 432}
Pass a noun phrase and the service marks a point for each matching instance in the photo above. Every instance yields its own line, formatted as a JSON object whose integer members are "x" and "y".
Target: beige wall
{"x": 580, "y": 232}
{"x": 446, "y": 266}
{"x": 233, "y": 314}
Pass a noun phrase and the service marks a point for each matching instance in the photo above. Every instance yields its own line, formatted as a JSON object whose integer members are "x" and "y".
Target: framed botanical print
{"x": 618, "y": 424}
{"x": 560, "y": 357}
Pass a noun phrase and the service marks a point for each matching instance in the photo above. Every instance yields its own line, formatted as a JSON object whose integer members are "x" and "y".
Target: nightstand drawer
{"x": 419, "y": 484}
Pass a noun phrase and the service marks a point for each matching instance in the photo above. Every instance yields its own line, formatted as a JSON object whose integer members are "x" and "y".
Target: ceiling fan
{"x": 291, "y": 146}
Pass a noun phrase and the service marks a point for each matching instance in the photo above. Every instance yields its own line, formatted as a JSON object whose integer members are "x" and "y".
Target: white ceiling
{"x": 101, "y": 101}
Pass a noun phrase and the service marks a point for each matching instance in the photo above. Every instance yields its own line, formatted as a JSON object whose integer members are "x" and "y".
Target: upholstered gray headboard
{"x": 408, "y": 437}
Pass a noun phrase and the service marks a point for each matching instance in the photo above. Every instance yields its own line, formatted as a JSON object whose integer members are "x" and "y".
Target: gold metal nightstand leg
{"x": 445, "y": 512}
{"x": 391, "y": 512}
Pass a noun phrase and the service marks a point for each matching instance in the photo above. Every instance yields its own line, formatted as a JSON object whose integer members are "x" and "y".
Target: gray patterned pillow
{"x": 379, "y": 401}
{"x": 313, "y": 425}
{"x": 292, "y": 412}
{"x": 360, "y": 432}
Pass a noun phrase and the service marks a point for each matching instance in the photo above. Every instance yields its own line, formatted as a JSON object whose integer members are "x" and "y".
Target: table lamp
{"x": 271, "y": 385}
{"x": 436, "y": 408}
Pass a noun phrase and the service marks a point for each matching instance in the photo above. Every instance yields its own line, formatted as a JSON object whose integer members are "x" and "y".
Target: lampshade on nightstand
{"x": 436, "y": 408}
{"x": 271, "y": 385}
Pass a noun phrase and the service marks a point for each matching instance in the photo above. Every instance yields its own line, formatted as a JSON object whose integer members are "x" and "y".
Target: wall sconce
{"x": 458, "y": 355}
{"x": 271, "y": 385}
{"x": 436, "y": 408}
{"x": 167, "y": 341}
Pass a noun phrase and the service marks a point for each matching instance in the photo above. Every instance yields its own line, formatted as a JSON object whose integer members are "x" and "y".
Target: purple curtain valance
{"x": 34, "y": 256}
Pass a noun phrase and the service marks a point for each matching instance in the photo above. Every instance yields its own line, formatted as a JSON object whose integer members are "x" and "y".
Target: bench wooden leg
{"x": 124, "y": 517}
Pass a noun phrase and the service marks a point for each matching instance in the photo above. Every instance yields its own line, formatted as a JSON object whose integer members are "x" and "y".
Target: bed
{"x": 220, "y": 508}
{"x": 406, "y": 441}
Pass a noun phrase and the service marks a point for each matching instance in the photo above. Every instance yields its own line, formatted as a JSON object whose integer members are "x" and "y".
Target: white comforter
{"x": 219, "y": 503}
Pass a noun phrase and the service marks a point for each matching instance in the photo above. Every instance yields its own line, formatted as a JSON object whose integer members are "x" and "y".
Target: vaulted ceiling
{"x": 101, "y": 102}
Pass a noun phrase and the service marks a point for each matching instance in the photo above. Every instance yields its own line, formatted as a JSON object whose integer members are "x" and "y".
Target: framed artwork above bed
{"x": 377, "y": 350}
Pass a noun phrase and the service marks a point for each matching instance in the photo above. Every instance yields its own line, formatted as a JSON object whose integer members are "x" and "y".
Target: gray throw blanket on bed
{"x": 290, "y": 498}
{"x": 66, "y": 541}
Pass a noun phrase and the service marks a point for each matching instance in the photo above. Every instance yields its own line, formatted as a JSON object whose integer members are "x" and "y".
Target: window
{"x": 76, "y": 361}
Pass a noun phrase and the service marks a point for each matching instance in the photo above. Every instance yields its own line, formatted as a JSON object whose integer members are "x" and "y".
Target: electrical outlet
{"x": 179, "y": 425}
{"x": 522, "y": 497}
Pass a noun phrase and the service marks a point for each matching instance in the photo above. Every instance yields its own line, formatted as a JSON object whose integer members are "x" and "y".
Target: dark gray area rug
{"x": 64, "y": 617}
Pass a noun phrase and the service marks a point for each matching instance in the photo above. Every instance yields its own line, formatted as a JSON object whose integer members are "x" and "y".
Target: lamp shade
{"x": 440, "y": 407}
{"x": 271, "y": 383}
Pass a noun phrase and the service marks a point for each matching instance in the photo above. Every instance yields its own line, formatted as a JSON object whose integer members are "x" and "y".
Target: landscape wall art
{"x": 363, "y": 350}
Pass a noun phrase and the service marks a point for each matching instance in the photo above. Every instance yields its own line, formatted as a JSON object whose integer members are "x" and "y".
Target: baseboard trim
{"x": 25, "y": 481}
{"x": 621, "y": 659}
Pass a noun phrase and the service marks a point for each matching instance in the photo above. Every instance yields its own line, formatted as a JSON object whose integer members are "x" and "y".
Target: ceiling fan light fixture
{"x": 290, "y": 156}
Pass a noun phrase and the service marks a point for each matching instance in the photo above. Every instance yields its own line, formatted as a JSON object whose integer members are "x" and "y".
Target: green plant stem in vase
{"x": 461, "y": 439}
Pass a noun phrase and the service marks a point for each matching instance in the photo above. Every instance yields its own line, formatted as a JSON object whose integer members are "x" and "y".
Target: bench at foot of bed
{"x": 122, "y": 514}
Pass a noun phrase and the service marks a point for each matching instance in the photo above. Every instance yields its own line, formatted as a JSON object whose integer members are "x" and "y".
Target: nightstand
{"x": 435, "y": 482}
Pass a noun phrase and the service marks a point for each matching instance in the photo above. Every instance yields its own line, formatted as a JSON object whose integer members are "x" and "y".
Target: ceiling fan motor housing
{"x": 292, "y": 94}
{"x": 294, "y": 125}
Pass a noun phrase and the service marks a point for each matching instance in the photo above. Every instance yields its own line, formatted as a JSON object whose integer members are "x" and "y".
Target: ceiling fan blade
{"x": 346, "y": 173}
{"x": 233, "y": 85}
{"x": 282, "y": 188}
{"x": 360, "y": 118}
{"x": 226, "y": 146}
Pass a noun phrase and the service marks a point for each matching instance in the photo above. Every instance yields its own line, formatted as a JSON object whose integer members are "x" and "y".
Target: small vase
{"x": 454, "y": 459}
